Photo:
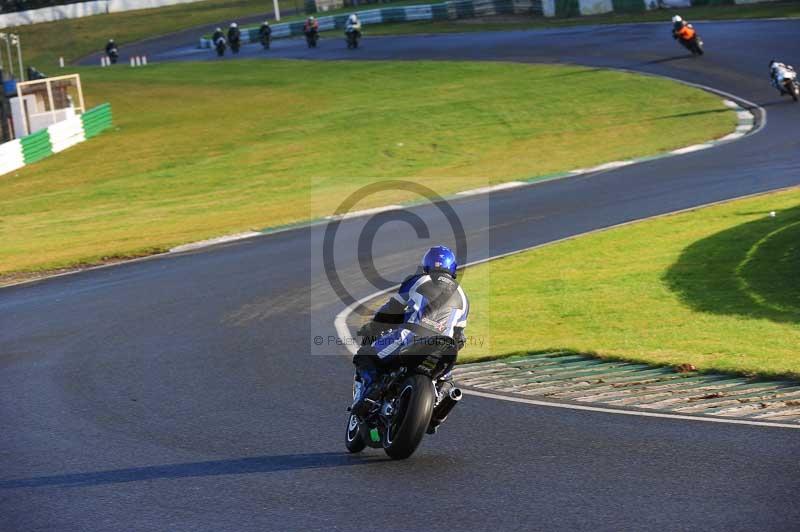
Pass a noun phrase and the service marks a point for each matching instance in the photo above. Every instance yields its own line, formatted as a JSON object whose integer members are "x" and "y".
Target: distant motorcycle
{"x": 312, "y": 37}
{"x": 220, "y": 45}
{"x": 113, "y": 56}
{"x": 236, "y": 44}
{"x": 265, "y": 40}
{"x": 789, "y": 85}
{"x": 352, "y": 36}
{"x": 413, "y": 398}
{"x": 689, "y": 38}
{"x": 693, "y": 44}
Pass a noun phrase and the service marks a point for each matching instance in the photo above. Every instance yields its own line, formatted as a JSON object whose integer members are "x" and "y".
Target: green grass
{"x": 718, "y": 288}
{"x": 504, "y": 22}
{"x": 204, "y": 149}
{"x": 44, "y": 43}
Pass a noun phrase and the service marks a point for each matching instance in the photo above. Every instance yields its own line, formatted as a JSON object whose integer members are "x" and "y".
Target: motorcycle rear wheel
{"x": 413, "y": 410}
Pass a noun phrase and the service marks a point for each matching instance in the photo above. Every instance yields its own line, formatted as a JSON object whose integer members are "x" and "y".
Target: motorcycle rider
{"x": 234, "y": 36}
{"x": 778, "y": 72}
{"x": 217, "y": 34}
{"x": 428, "y": 304}
{"x": 112, "y": 50}
{"x": 311, "y": 27}
{"x": 353, "y": 25}
{"x": 682, "y": 29}
{"x": 265, "y": 34}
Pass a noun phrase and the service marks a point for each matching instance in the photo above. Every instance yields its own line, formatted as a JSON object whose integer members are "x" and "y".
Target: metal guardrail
{"x": 450, "y": 10}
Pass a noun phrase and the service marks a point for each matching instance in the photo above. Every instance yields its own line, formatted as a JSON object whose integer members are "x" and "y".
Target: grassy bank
{"x": 207, "y": 149}
{"x": 717, "y": 288}
{"x": 44, "y": 43}
{"x": 504, "y": 22}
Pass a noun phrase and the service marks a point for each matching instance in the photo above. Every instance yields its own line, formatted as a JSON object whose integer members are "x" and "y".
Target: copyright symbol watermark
{"x": 363, "y": 244}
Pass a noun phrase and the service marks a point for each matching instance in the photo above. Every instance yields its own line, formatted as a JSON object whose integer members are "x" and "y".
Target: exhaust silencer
{"x": 445, "y": 406}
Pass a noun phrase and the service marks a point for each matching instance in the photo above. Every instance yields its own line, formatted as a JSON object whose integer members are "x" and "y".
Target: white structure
{"x": 43, "y": 102}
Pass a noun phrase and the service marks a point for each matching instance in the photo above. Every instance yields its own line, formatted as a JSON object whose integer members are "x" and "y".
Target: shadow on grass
{"x": 693, "y": 113}
{"x": 750, "y": 270}
{"x": 236, "y": 466}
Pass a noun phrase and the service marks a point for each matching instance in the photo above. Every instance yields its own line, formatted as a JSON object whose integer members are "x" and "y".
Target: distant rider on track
{"x": 112, "y": 51}
{"x": 234, "y": 37}
{"x": 352, "y": 28}
{"x": 311, "y": 31}
{"x": 778, "y": 72}
{"x": 428, "y": 304}
{"x": 265, "y": 34}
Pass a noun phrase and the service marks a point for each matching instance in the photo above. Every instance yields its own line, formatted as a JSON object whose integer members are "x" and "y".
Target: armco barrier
{"x": 37, "y": 146}
{"x": 56, "y": 138}
{"x": 96, "y": 120}
{"x": 452, "y": 9}
{"x": 11, "y": 156}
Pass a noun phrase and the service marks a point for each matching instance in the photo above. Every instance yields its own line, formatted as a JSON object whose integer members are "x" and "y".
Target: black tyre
{"x": 354, "y": 438}
{"x": 411, "y": 418}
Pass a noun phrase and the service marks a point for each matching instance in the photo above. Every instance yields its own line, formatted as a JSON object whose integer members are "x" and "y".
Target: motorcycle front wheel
{"x": 354, "y": 438}
{"x": 412, "y": 414}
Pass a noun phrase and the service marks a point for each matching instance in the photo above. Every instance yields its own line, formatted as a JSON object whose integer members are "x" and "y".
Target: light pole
{"x": 6, "y": 38}
{"x": 16, "y": 40}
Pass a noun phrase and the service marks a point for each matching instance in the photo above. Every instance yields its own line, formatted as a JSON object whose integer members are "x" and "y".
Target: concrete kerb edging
{"x": 734, "y": 102}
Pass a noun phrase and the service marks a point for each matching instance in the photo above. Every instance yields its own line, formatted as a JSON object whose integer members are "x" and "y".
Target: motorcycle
{"x": 411, "y": 398}
{"x": 694, "y": 44}
{"x": 789, "y": 85}
{"x": 220, "y": 45}
{"x": 265, "y": 40}
{"x": 352, "y": 37}
{"x": 311, "y": 38}
{"x": 113, "y": 56}
{"x": 235, "y": 45}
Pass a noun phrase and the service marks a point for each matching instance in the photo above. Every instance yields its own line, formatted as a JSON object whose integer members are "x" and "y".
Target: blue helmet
{"x": 439, "y": 258}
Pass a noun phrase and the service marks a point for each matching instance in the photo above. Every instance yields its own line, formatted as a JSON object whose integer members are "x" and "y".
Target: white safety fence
{"x": 11, "y": 156}
{"x": 66, "y": 133}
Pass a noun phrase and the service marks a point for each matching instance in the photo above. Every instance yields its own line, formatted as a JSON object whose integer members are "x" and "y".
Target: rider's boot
{"x": 364, "y": 392}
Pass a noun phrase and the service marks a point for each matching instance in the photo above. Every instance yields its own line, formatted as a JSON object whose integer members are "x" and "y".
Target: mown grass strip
{"x": 716, "y": 288}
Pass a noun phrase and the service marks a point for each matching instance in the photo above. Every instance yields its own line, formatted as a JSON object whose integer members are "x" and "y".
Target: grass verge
{"x": 44, "y": 43}
{"x": 203, "y": 149}
{"x": 789, "y": 9}
{"x": 717, "y": 288}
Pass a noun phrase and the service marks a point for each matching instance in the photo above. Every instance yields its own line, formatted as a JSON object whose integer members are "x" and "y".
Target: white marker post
{"x": 61, "y": 62}
{"x": 144, "y": 60}
{"x": 132, "y": 62}
{"x": 277, "y": 10}
{"x": 138, "y": 61}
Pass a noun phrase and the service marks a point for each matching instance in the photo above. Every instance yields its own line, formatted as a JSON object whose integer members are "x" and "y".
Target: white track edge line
{"x": 605, "y": 410}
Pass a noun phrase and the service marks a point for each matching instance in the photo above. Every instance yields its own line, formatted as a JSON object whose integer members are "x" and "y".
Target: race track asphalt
{"x": 185, "y": 392}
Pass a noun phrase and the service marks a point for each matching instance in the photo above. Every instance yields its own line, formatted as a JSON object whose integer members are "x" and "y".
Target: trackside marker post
{"x": 132, "y": 62}
{"x": 61, "y": 62}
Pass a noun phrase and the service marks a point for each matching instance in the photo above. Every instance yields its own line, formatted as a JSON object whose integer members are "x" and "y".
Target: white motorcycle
{"x": 787, "y": 83}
